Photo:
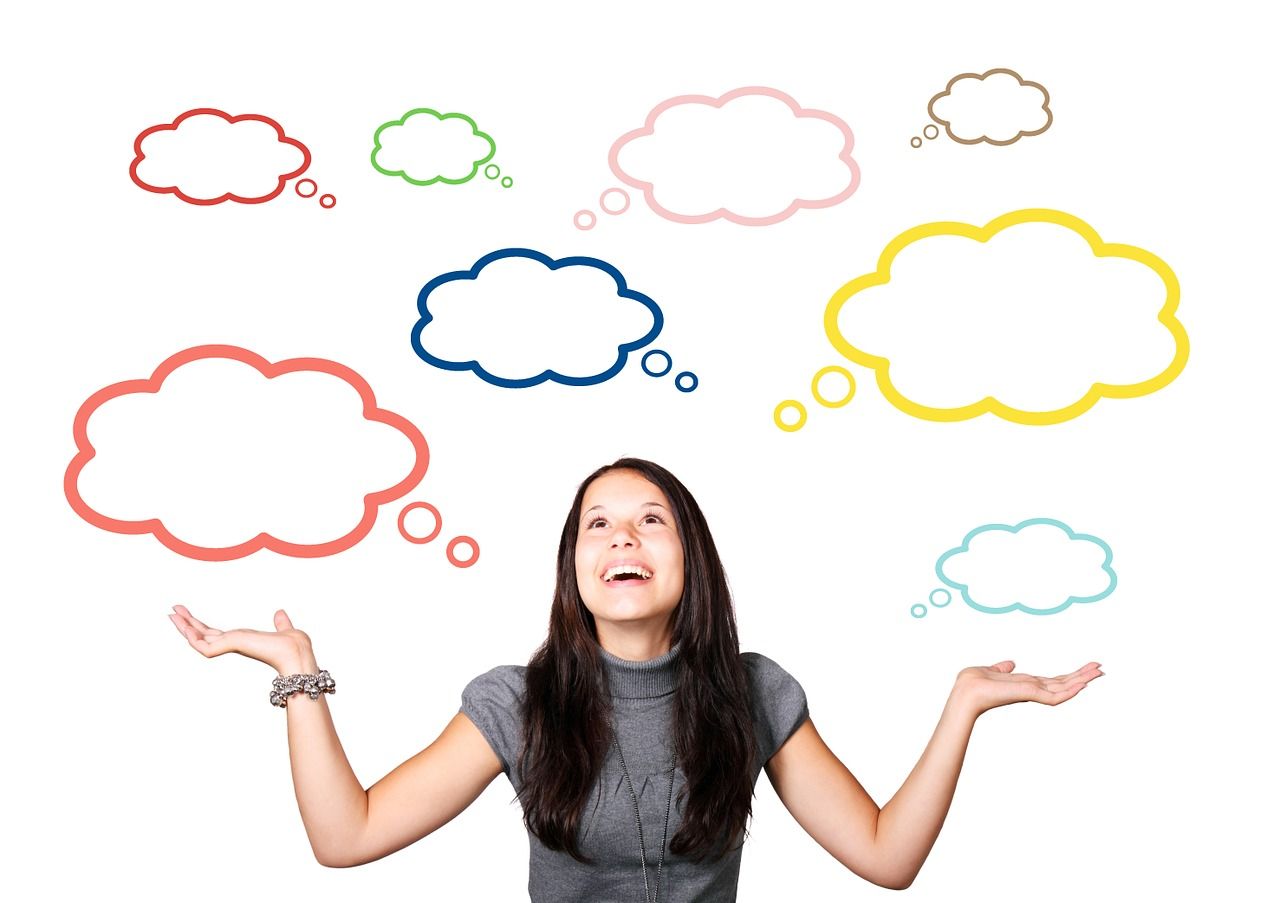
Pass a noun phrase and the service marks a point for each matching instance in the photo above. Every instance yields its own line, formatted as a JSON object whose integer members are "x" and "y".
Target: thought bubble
{"x": 424, "y": 147}
{"x": 206, "y": 157}
{"x": 752, "y": 156}
{"x": 998, "y": 107}
{"x": 1031, "y": 317}
{"x": 518, "y": 318}
{"x": 220, "y": 453}
{"x": 1040, "y": 566}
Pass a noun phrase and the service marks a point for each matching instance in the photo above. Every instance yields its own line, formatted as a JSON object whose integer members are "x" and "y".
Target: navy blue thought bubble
{"x": 540, "y": 325}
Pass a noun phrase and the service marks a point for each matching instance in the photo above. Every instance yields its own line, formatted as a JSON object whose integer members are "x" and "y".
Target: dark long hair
{"x": 567, "y": 709}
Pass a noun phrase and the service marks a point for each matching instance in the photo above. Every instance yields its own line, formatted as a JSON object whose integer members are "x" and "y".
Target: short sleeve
{"x": 778, "y": 703}
{"x": 492, "y": 702}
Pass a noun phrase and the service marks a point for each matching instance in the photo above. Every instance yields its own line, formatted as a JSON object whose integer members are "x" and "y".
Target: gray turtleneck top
{"x": 642, "y": 704}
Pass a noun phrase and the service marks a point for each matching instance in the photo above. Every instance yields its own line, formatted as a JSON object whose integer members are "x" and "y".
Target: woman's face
{"x": 630, "y": 561}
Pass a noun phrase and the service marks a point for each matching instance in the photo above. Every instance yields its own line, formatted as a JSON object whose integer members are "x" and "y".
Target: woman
{"x": 636, "y": 734}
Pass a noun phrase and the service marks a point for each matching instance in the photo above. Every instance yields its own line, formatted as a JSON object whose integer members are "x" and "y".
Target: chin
{"x": 626, "y": 611}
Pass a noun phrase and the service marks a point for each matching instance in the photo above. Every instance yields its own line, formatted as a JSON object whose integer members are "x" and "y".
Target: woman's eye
{"x": 653, "y": 519}
{"x": 599, "y": 521}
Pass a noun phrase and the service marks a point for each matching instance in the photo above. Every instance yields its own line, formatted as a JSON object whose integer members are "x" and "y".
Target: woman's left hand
{"x": 980, "y": 689}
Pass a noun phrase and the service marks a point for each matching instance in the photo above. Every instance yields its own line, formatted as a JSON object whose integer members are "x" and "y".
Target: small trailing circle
{"x": 624, "y": 200}
{"x": 644, "y": 364}
{"x": 792, "y": 404}
{"x": 451, "y": 551}
{"x": 419, "y": 506}
{"x": 839, "y": 402}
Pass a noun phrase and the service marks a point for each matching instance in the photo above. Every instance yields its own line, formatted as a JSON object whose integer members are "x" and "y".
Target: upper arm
{"x": 827, "y": 800}
{"x": 426, "y": 792}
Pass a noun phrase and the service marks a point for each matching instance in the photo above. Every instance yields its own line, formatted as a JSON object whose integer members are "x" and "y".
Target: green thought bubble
{"x": 443, "y": 144}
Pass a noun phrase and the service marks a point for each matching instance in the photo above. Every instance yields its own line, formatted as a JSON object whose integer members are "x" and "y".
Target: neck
{"x": 649, "y": 679}
{"x": 634, "y": 642}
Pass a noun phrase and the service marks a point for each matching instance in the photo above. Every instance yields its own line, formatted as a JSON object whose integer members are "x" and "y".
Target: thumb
{"x": 282, "y": 621}
{"x": 1004, "y": 667}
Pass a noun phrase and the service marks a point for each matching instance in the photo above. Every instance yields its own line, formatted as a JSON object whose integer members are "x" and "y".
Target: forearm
{"x": 910, "y": 822}
{"x": 333, "y": 805}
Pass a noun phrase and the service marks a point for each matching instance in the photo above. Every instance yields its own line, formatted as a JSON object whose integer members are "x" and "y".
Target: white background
{"x": 134, "y": 765}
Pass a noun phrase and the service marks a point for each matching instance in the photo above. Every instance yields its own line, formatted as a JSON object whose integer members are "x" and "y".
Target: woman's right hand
{"x": 287, "y": 649}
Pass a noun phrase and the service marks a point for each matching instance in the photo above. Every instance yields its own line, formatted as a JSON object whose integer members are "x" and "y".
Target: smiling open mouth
{"x": 626, "y": 572}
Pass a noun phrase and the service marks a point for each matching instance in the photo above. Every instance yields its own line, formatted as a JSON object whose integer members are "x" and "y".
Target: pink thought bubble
{"x": 699, "y": 158}
{"x": 251, "y": 443}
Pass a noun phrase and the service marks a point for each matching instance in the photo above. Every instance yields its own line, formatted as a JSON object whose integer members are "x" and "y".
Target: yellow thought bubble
{"x": 882, "y": 275}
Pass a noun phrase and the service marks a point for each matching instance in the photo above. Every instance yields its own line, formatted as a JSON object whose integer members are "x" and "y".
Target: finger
{"x": 197, "y": 628}
{"x": 1003, "y": 667}
{"x": 206, "y": 647}
{"x": 1049, "y": 697}
{"x": 1078, "y": 672}
{"x": 184, "y": 628}
{"x": 1057, "y": 686}
{"x": 282, "y": 621}
{"x": 1053, "y": 684}
{"x": 1084, "y": 674}
{"x": 182, "y": 610}
{"x": 1066, "y": 681}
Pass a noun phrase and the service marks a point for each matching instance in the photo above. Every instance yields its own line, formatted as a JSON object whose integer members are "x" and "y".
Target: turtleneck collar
{"x": 641, "y": 680}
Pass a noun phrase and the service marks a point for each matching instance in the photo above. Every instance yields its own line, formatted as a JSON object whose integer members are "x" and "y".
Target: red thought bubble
{"x": 369, "y": 411}
{"x": 217, "y": 157}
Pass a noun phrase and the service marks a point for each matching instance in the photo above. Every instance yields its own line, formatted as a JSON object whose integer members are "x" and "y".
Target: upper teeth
{"x": 627, "y": 569}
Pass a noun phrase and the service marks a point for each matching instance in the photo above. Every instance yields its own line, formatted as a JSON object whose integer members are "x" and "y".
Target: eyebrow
{"x": 645, "y": 505}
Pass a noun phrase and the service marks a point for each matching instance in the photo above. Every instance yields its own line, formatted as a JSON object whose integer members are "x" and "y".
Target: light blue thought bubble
{"x": 1092, "y": 568}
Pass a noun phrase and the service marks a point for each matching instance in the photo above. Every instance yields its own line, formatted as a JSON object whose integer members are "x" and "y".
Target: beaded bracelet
{"x": 312, "y": 684}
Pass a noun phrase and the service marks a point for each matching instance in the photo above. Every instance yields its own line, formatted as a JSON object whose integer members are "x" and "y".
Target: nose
{"x": 623, "y": 537}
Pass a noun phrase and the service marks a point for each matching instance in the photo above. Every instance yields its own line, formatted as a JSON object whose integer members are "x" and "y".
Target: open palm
{"x": 988, "y": 688}
{"x": 286, "y": 649}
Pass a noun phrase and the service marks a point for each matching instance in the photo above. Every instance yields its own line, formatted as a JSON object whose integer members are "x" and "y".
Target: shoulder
{"x": 764, "y": 673}
{"x": 492, "y": 701}
{"x": 503, "y": 685}
{"x": 778, "y": 702}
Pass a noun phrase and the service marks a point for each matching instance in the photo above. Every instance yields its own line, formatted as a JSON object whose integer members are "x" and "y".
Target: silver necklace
{"x": 635, "y": 801}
